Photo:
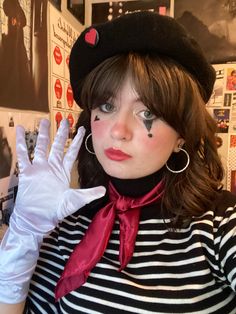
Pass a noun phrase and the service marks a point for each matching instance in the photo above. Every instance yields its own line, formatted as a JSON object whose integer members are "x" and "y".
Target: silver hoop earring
{"x": 86, "y": 144}
{"x": 185, "y": 167}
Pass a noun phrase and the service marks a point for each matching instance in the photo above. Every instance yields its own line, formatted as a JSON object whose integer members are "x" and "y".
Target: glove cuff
{"x": 18, "y": 257}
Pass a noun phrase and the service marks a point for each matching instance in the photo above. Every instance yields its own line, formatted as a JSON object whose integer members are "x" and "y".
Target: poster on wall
{"x": 61, "y": 39}
{"x": 232, "y": 164}
{"x": 8, "y": 165}
{"x": 104, "y": 11}
{"x": 212, "y": 23}
{"x": 222, "y": 107}
{"x": 23, "y": 55}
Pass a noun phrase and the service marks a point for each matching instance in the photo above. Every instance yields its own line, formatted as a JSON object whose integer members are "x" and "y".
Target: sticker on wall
{"x": 58, "y": 93}
{"x": 57, "y": 60}
{"x": 69, "y": 96}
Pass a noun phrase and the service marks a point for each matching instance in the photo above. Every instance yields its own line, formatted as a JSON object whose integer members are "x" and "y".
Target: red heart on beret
{"x": 91, "y": 37}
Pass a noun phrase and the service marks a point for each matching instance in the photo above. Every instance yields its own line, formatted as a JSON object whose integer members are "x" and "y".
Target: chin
{"x": 124, "y": 174}
{"x": 118, "y": 175}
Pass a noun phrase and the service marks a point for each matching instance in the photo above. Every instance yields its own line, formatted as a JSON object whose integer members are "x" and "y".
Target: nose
{"x": 122, "y": 128}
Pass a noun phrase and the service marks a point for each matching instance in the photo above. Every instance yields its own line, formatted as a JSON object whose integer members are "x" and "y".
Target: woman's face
{"x": 129, "y": 141}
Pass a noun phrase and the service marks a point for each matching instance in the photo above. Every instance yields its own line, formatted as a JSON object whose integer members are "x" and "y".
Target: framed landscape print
{"x": 213, "y": 24}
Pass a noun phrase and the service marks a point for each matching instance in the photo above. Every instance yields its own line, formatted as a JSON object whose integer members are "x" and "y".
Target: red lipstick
{"x": 116, "y": 154}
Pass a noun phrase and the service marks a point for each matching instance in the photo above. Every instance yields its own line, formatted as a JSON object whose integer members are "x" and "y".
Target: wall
{"x": 31, "y": 34}
{"x": 34, "y": 75}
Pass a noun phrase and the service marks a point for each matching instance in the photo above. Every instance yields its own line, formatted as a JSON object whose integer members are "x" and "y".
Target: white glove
{"x": 43, "y": 199}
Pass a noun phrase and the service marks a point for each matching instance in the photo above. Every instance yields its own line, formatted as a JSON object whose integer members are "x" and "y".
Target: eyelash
{"x": 110, "y": 108}
{"x": 103, "y": 108}
{"x": 152, "y": 118}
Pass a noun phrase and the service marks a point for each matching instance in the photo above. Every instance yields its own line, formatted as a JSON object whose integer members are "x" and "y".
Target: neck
{"x": 137, "y": 187}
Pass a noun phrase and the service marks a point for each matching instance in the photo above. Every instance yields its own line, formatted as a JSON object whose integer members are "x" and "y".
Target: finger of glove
{"x": 75, "y": 199}
{"x": 21, "y": 149}
{"x": 40, "y": 152}
{"x": 57, "y": 150}
{"x": 73, "y": 150}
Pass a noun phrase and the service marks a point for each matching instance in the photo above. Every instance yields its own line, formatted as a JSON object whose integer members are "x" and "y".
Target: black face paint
{"x": 96, "y": 118}
{"x": 148, "y": 125}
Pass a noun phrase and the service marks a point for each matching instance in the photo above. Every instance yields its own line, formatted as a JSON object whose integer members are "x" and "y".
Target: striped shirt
{"x": 190, "y": 270}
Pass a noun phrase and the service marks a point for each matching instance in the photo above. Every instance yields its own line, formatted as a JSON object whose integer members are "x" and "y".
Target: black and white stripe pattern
{"x": 192, "y": 270}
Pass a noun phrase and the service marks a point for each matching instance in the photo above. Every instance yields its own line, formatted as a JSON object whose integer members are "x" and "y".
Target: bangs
{"x": 161, "y": 83}
{"x": 165, "y": 88}
{"x": 104, "y": 81}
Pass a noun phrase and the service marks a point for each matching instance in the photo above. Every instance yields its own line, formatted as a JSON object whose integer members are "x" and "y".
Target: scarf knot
{"x": 91, "y": 248}
{"x": 122, "y": 204}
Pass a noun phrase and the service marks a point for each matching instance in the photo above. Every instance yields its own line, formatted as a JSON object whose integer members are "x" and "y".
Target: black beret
{"x": 139, "y": 32}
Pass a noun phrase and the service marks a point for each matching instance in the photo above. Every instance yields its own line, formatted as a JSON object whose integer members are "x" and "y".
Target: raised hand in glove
{"x": 44, "y": 198}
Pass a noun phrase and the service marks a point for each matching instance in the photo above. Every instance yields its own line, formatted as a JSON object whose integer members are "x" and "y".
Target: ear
{"x": 179, "y": 143}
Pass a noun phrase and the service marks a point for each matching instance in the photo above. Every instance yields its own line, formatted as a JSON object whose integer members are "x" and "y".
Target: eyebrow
{"x": 137, "y": 99}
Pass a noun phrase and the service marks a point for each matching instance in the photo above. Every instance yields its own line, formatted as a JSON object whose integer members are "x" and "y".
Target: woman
{"x": 161, "y": 240}
{"x": 17, "y": 89}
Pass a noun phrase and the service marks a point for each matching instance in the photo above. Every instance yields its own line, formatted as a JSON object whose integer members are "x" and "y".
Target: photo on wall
{"x": 231, "y": 79}
{"x": 213, "y": 24}
{"x": 221, "y": 117}
{"x": 104, "y": 11}
{"x": 23, "y": 55}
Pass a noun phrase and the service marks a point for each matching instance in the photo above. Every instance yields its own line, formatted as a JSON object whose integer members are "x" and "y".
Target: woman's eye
{"x": 147, "y": 115}
{"x": 107, "y": 107}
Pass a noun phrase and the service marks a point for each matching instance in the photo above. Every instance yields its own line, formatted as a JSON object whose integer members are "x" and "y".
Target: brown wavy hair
{"x": 172, "y": 94}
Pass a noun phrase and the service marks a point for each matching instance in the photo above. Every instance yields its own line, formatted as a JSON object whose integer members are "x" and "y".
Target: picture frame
{"x": 107, "y": 10}
{"x": 210, "y": 23}
{"x": 77, "y": 9}
{"x": 57, "y": 4}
